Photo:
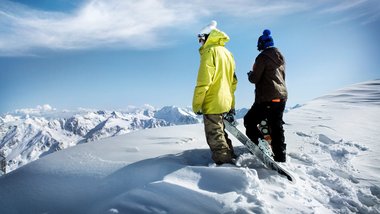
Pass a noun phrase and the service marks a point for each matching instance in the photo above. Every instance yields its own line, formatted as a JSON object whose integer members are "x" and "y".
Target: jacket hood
{"x": 216, "y": 37}
{"x": 274, "y": 55}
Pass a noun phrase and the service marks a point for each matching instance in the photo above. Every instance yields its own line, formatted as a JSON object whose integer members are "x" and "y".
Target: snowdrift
{"x": 332, "y": 148}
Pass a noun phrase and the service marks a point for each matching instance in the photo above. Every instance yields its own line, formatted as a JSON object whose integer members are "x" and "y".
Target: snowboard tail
{"x": 264, "y": 156}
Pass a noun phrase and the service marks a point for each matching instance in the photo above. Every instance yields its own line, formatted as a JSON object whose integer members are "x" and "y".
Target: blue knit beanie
{"x": 265, "y": 40}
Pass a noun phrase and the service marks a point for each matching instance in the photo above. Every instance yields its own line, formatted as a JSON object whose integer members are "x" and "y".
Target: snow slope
{"x": 332, "y": 152}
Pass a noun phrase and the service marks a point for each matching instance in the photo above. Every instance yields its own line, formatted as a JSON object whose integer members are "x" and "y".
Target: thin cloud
{"x": 141, "y": 24}
{"x": 361, "y": 11}
{"x": 99, "y": 22}
{"x": 344, "y": 6}
{"x": 254, "y": 8}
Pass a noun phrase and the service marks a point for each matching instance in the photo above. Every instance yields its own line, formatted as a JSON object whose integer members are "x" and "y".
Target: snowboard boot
{"x": 222, "y": 157}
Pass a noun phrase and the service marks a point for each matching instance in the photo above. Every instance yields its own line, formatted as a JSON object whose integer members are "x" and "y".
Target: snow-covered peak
{"x": 9, "y": 118}
{"x": 177, "y": 115}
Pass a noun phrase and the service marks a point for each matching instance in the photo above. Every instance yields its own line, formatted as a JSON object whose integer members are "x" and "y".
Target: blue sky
{"x": 111, "y": 54}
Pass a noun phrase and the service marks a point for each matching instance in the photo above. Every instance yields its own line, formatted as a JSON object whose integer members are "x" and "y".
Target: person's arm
{"x": 205, "y": 75}
{"x": 233, "y": 89}
{"x": 257, "y": 70}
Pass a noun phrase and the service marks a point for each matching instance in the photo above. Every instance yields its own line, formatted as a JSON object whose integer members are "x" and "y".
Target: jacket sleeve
{"x": 258, "y": 69}
{"x": 205, "y": 76}
{"x": 233, "y": 89}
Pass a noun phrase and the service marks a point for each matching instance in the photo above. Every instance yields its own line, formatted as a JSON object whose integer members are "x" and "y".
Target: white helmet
{"x": 203, "y": 34}
{"x": 208, "y": 28}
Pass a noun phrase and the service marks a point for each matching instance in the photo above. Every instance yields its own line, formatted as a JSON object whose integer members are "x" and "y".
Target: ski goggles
{"x": 201, "y": 37}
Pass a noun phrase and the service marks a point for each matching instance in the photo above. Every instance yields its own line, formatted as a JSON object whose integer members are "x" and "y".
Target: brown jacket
{"x": 268, "y": 74}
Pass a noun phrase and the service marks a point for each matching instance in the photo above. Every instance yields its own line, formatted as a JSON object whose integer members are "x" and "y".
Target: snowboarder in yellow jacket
{"x": 214, "y": 91}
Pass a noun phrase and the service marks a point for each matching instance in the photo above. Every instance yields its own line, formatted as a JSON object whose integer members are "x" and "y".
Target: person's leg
{"x": 229, "y": 143}
{"x": 216, "y": 139}
{"x": 275, "y": 123}
{"x": 253, "y": 117}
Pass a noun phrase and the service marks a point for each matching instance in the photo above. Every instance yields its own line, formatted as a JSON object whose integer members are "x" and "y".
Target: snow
{"x": 332, "y": 151}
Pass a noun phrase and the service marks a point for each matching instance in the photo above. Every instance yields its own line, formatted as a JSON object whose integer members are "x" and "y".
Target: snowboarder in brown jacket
{"x": 268, "y": 75}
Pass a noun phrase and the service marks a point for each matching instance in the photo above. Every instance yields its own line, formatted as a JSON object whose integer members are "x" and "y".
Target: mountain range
{"x": 28, "y": 134}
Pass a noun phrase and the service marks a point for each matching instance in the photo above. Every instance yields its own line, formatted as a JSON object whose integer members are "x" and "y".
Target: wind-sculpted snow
{"x": 332, "y": 151}
{"x": 362, "y": 93}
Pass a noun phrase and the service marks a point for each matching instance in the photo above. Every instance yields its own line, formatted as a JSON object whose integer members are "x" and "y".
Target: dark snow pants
{"x": 273, "y": 112}
{"x": 217, "y": 139}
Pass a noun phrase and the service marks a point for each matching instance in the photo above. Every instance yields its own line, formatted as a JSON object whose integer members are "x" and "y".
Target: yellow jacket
{"x": 216, "y": 82}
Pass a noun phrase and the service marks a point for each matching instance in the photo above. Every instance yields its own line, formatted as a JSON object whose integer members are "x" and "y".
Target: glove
{"x": 230, "y": 117}
{"x": 249, "y": 73}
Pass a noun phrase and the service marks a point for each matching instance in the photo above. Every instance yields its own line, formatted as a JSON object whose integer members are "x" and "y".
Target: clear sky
{"x": 110, "y": 54}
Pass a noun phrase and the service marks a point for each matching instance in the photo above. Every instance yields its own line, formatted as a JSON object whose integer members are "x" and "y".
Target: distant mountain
{"x": 28, "y": 134}
{"x": 175, "y": 115}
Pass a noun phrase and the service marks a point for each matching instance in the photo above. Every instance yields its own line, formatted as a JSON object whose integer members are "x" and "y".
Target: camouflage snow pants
{"x": 217, "y": 139}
